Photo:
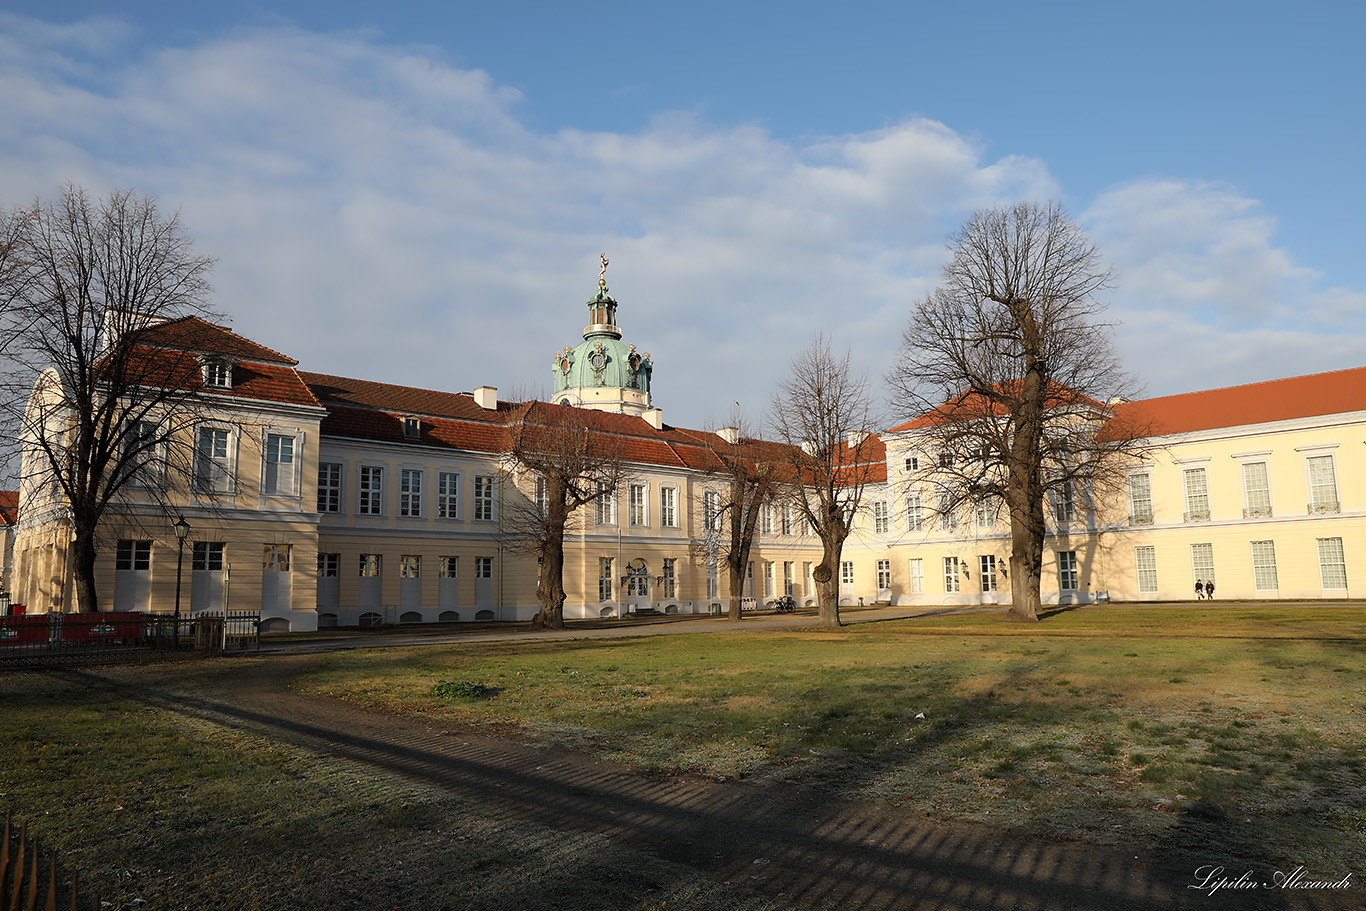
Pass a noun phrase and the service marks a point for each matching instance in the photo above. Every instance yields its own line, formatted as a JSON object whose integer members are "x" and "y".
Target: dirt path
{"x": 788, "y": 843}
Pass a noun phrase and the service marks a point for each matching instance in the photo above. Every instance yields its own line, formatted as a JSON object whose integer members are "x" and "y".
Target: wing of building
{"x": 326, "y": 500}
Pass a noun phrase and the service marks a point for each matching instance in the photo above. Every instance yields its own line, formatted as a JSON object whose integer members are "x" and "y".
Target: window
{"x": 668, "y": 507}
{"x": 277, "y": 479}
{"x": 412, "y": 428}
{"x": 768, "y": 579}
{"x": 447, "y": 495}
{"x": 948, "y": 514}
{"x": 208, "y": 556}
{"x": 1332, "y": 564}
{"x": 711, "y": 576}
{"x": 410, "y": 566}
{"x": 1064, "y": 503}
{"x": 483, "y": 567}
{"x": 635, "y": 498}
{"x": 604, "y": 578}
{"x": 450, "y": 568}
{"x": 606, "y": 505}
{"x": 986, "y": 513}
{"x": 275, "y": 558}
{"x": 1256, "y": 490}
{"x": 1264, "y": 566}
{"x": 1067, "y": 570}
{"x": 950, "y": 575}
{"x": 141, "y": 454}
{"x": 847, "y": 572}
{"x": 881, "y": 519}
{"x": 369, "y": 566}
{"x": 1145, "y": 558}
{"x": 135, "y": 555}
{"x": 916, "y": 576}
{"x": 766, "y": 519}
{"x": 410, "y": 493}
{"x": 1197, "y": 495}
{"x": 1323, "y": 485}
{"x": 785, "y": 519}
{"x": 711, "y": 511}
{"x": 329, "y": 566}
{"x": 483, "y": 498}
{"x": 884, "y": 575}
{"x": 218, "y": 374}
{"x": 787, "y": 580}
{"x": 371, "y": 491}
{"x": 1140, "y": 499}
{"x": 987, "y": 574}
{"x": 915, "y": 513}
{"x": 1202, "y": 562}
{"x": 912, "y": 463}
{"x": 213, "y": 468}
{"x": 945, "y": 460}
{"x": 329, "y": 487}
{"x": 670, "y": 578}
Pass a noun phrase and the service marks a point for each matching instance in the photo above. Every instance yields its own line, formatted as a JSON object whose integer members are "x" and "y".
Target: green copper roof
{"x": 602, "y": 359}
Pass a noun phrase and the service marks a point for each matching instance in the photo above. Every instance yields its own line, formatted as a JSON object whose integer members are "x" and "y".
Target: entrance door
{"x": 637, "y": 585}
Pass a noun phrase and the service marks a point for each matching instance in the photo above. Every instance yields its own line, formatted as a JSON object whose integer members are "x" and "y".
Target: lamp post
{"x": 182, "y": 531}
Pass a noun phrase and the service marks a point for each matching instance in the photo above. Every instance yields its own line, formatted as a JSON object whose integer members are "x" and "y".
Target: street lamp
{"x": 182, "y": 531}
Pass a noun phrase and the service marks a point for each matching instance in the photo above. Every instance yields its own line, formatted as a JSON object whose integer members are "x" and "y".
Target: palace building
{"x": 328, "y": 501}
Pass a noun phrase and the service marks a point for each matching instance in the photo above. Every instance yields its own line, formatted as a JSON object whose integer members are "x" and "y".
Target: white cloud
{"x": 379, "y": 213}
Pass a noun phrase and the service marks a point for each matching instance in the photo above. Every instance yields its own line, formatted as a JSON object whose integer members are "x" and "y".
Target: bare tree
{"x": 564, "y": 458}
{"x": 745, "y": 479}
{"x": 824, "y": 417}
{"x": 111, "y": 401}
{"x": 1009, "y": 366}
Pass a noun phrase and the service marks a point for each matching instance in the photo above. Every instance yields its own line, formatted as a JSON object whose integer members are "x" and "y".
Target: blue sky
{"x": 417, "y": 193}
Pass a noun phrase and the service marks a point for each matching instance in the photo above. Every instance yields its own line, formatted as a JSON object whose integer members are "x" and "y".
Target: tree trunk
{"x": 737, "y": 588}
{"x": 550, "y": 588}
{"x": 828, "y": 589}
{"x": 1026, "y": 572}
{"x": 83, "y": 573}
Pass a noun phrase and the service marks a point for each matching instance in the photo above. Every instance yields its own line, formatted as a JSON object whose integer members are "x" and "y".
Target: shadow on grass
{"x": 796, "y": 844}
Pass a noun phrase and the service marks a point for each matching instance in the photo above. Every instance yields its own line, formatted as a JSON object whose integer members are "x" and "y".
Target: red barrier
{"x": 14, "y": 630}
{"x": 84, "y": 627}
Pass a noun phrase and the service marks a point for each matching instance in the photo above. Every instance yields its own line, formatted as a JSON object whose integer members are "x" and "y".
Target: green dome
{"x": 602, "y": 360}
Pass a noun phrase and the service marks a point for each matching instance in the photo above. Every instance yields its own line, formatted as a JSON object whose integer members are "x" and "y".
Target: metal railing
{"x": 38, "y": 639}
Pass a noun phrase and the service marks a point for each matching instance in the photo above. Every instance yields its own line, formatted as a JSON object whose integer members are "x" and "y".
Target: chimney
{"x": 856, "y": 437}
{"x": 654, "y": 417}
{"x": 808, "y": 447}
{"x": 730, "y": 434}
{"x": 486, "y": 397}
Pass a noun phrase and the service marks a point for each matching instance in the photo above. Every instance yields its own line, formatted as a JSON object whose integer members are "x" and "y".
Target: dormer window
{"x": 913, "y": 463}
{"x": 412, "y": 428}
{"x": 218, "y": 374}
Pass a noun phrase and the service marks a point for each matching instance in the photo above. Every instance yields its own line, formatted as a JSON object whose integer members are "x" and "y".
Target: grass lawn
{"x": 1242, "y": 728}
{"x": 1111, "y": 725}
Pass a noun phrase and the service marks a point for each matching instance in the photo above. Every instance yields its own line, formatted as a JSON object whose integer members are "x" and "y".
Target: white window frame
{"x": 915, "y": 571}
{"x": 329, "y": 566}
{"x": 711, "y": 510}
{"x": 275, "y": 558}
{"x": 785, "y": 519}
{"x": 986, "y": 572}
{"x": 1202, "y": 569}
{"x": 217, "y": 374}
{"x": 281, "y": 481}
{"x": 884, "y": 575}
{"x": 788, "y": 584}
{"x": 1064, "y": 498}
{"x": 1332, "y": 564}
{"x": 638, "y": 504}
{"x": 668, "y": 506}
{"x": 448, "y": 495}
{"x": 1195, "y": 484}
{"x": 1140, "y": 502}
{"x": 133, "y": 556}
{"x": 951, "y": 583}
{"x": 147, "y": 464}
{"x": 329, "y": 488}
{"x": 1264, "y": 575}
{"x": 371, "y": 566}
{"x": 1145, "y": 568}
{"x": 605, "y": 579}
{"x": 410, "y": 566}
{"x": 670, "y": 574}
{"x": 1256, "y": 490}
{"x": 986, "y": 512}
{"x": 1069, "y": 576}
{"x": 370, "y": 490}
{"x": 483, "y": 567}
{"x": 882, "y": 521}
{"x": 449, "y": 567}
{"x": 485, "y": 498}
{"x": 207, "y": 556}
{"x": 768, "y": 579}
{"x": 215, "y": 474}
{"x": 846, "y": 572}
{"x": 410, "y": 482}
{"x": 766, "y": 519}
{"x": 1319, "y": 503}
{"x": 605, "y": 506}
{"x": 915, "y": 512}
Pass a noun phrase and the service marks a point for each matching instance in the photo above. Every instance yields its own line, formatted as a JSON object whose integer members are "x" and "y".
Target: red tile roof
{"x": 969, "y": 406}
{"x": 1318, "y": 394}
{"x": 9, "y": 507}
{"x": 191, "y": 333}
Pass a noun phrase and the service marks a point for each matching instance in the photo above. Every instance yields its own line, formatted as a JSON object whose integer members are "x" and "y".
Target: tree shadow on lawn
{"x": 791, "y": 843}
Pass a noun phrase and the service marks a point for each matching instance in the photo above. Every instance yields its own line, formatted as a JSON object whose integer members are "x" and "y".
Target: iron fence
{"x": 38, "y": 639}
